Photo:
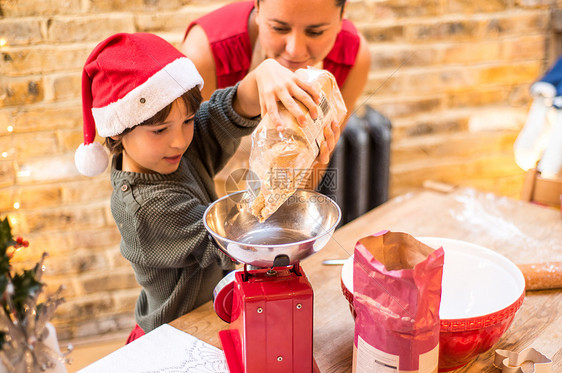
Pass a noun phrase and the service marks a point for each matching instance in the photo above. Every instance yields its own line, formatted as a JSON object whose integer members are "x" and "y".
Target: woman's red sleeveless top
{"x": 227, "y": 31}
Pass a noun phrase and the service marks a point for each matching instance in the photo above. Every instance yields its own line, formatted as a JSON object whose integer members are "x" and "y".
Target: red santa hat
{"x": 127, "y": 79}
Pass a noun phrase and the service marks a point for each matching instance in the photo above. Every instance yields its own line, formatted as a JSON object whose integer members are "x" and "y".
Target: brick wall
{"x": 453, "y": 76}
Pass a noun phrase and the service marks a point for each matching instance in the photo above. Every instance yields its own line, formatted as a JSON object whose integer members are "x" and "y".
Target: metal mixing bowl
{"x": 300, "y": 227}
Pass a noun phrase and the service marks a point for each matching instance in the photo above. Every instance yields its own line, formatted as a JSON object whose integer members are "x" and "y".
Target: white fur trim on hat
{"x": 147, "y": 99}
{"x": 91, "y": 159}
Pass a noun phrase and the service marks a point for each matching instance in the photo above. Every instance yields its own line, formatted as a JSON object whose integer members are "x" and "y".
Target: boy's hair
{"x": 192, "y": 100}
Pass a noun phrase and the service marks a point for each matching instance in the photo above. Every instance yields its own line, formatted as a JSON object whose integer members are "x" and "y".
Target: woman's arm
{"x": 196, "y": 47}
{"x": 357, "y": 79}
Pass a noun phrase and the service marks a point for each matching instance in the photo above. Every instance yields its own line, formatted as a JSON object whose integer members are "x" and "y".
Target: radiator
{"x": 358, "y": 174}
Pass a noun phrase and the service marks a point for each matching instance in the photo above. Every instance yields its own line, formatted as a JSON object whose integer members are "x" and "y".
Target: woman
{"x": 226, "y": 44}
{"x": 229, "y": 42}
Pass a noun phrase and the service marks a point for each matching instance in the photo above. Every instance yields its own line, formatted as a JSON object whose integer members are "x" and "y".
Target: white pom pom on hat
{"x": 127, "y": 79}
{"x": 91, "y": 159}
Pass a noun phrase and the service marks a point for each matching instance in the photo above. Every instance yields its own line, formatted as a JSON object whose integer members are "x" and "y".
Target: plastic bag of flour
{"x": 282, "y": 159}
{"x": 397, "y": 294}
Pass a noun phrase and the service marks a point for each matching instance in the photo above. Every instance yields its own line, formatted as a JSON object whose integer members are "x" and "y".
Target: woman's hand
{"x": 279, "y": 84}
{"x": 269, "y": 84}
{"x": 318, "y": 168}
{"x": 331, "y": 137}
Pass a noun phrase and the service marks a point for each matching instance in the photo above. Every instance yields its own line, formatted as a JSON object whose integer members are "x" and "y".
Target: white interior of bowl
{"x": 476, "y": 281}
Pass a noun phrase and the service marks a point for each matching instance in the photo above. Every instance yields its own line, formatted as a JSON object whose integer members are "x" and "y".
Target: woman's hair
{"x": 192, "y": 100}
{"x": 339, "y": 3}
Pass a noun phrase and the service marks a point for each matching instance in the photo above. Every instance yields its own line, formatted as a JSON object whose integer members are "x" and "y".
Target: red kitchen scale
{"x": 269, "y": 303}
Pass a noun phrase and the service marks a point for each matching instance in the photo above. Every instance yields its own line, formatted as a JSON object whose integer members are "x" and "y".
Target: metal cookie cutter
{"x": 510, "y": 362}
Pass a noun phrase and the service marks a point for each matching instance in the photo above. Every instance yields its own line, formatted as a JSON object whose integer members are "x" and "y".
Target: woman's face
{"x": 298, "y": 33}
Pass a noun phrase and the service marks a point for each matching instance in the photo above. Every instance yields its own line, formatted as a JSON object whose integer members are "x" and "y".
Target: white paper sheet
{"x": 165, "y": 349}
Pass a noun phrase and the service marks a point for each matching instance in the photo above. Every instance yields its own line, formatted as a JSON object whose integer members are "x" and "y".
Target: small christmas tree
{"x": 23, "y": 321}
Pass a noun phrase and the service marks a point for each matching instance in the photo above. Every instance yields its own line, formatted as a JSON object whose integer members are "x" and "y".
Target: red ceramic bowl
{"x": 481, "y": 292}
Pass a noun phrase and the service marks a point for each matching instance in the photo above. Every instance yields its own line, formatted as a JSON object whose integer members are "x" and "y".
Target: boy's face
{"x": 158, "y": 148}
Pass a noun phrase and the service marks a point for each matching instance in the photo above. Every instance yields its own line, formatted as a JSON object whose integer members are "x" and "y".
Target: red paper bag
{"x": 397, "y": 293}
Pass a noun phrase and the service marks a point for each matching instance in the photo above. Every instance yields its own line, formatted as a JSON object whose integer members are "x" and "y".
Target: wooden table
{"x": 522, "y": 232}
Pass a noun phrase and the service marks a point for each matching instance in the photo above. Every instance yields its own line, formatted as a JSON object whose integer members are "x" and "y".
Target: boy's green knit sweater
{"x": 160, "y": 217}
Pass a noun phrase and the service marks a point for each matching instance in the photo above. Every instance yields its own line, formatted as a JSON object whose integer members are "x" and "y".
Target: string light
{"x": 24, "y": 171}
{"x": 9, "y": 128}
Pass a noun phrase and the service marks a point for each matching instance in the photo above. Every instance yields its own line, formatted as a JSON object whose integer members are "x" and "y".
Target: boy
{"x": 144, "y": 97}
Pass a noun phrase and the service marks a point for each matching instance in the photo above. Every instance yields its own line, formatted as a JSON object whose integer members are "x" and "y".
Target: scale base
{"x": 232, "y": 360}
{"x": 271, "y": 318}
